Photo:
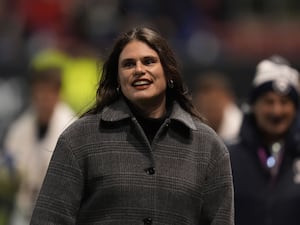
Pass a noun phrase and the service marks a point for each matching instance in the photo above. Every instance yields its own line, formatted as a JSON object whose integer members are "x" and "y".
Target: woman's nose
{"x": 139, "y": 68}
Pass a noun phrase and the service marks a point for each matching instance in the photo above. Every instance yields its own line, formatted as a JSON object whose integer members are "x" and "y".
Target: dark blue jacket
{"x": 261, "y": 199}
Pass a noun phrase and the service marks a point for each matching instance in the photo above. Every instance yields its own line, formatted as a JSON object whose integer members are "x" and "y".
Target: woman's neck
{"x": 146, "y": 110}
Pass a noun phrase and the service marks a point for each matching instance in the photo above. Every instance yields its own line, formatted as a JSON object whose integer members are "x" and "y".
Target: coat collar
{"x": 119, "y": 110}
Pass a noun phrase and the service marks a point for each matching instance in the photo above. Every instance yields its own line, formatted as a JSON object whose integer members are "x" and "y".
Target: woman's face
{"x": 274, "y": 114}
{"x": 141, "y": 76}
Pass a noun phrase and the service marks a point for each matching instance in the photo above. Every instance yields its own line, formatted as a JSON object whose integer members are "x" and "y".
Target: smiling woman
{"x": 142, "y": 154}
{"x": 142, "y": 79}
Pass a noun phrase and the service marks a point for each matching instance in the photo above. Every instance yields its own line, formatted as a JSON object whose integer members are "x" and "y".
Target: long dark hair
{"x": 107, "y": 91}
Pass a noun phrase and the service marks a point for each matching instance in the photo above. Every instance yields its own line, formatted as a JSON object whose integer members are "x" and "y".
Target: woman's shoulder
{"x": 82, "y": 126}
{"x": 203, "y": 128}
{"x": 207, "y": 134}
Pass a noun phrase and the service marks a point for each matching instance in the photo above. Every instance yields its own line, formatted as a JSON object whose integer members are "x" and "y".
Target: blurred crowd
{"x": 50, "y": 58}
{"x": 75, "y": 34}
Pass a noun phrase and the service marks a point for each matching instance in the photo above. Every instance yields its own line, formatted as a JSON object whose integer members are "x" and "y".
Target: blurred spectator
{"x": 215, "y": 100}
{"x": 40, "y": 15}
{"x": 43, "y": 22}
{"x": 99, "y": 21}
{"x": 79, "y": 74}
{"x": 31, "y": 138}
{"x": 266, "y": 159}
{"x": 12, "y": 99}
{"x": 8, "y": 186}
{"x": 10, "y": 34}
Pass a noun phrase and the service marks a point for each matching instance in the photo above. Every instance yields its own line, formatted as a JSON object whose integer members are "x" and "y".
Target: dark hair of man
{"x": 51, "y": 75}
{"x": 107, "y": 90}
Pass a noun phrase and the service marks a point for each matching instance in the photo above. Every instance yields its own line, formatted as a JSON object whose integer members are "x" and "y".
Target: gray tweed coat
{"x": 104, "y": 171}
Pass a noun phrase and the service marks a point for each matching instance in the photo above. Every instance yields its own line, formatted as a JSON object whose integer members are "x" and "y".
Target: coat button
{"x": 147, "y": 221}
{"x": 150, "y": 170}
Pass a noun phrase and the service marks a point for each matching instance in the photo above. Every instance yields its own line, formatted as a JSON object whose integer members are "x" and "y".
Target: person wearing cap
{"x": 266, "y": 158}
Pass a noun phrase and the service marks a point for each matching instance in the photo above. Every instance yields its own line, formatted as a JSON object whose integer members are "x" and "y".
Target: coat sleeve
{"x": 218, "y": 199}
{"x": 60, "y": 196}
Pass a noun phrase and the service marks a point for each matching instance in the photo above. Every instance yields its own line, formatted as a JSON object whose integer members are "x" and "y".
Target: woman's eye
{"x": 148, "y": 61}
{"x": 128, "y": 64}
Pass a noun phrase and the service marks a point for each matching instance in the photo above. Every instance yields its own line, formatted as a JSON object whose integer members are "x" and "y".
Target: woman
{"x": 141, "y": 155}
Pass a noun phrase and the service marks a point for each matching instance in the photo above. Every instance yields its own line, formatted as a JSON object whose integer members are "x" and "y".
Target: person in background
{"x": 78, "y": 71}
{"x": 142, "y": 154}
{"x": 215, "y": 100}
{"x": 31, "y": 138}
{"x": 9, "y": 184}
{"x": 266, "y": 159}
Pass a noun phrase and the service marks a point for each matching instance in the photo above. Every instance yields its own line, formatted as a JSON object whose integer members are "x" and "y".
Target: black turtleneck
{"x": 150, "y": 125}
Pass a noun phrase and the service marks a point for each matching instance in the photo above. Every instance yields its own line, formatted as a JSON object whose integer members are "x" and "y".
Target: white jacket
{"x": 231, "y": 123}
{"x": 31, "y": 156}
